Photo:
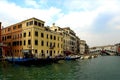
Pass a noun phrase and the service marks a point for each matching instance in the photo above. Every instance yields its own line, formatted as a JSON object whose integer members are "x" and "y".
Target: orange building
{"x": 11, "y": 36}
{"x": 3, "y": 48}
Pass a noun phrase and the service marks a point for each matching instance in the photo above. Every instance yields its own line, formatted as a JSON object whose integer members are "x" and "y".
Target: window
{"x": 36, "y": 33}
{"x": 14, "y": 27}
{"x": 54, "y": 44}
{"x": 47, "y": 36}
{"x": 35, "y": 51}
{"x": 20, "y": 42}
{"x": 29, "y": 42}
{"x": 20, "y": 26}
{"x": 47, "y": 51}
{"x": 35, "y": 22}
{"x": 9, "y": 29}
{"x": 39, "y": 24}
{"x": 42, "y": 43}
{"x": 36, "y": 42}
{"x": 27, "y": 24}
{"x": 24, "y": 42}
{"x": 17, "y": 43}
{"x": 50, "y": 44}
{"x": 54, "y": 37}
{"x": 31, "y": 22}
{"x": 8, "y": 37}
{"x": 29, "y": 34}
{"x": 55, "y": 29}
{"x": 2, "y": 38}
{"x": 24, "y": 34}
{"x": 42, "y": 25}
{"x": 42, "y": 35}
{"x": 50, "y": 36}
{"x": 47, "y": 43}
{"x": 42, "y": 51}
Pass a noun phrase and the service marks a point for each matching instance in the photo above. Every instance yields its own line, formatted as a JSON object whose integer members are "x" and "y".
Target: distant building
{"x": 32, "y": 37}
{"x": 82, "y": 46}
{"x": 118, "y": 48}
{"x": 110, "y": 49}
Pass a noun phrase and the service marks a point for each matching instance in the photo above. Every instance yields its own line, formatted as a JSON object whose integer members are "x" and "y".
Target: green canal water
{"x": 101, "y": 68}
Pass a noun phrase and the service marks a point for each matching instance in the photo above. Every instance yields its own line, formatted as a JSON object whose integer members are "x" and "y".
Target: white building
{"x": 82, "y": 46}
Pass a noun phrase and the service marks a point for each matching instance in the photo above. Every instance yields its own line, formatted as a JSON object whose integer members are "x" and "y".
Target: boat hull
{"x": 72, "y": 57}
{"x": 33, "y": 61}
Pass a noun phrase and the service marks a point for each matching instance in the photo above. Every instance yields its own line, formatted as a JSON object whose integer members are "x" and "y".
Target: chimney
{"x": 0, "y": 32}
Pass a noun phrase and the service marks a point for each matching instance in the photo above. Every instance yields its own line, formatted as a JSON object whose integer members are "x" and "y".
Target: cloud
{"x": 16, "y": 13}
{"x": 32, "y": 3}
{"x": 115, "y": 22}
{"x": 96, "y": 21}
{"x": 77, "y": 20}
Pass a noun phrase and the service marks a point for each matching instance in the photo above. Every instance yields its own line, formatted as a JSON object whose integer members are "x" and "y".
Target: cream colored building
{"x": 39, "y": 40}
{"x": 69, "y": 38}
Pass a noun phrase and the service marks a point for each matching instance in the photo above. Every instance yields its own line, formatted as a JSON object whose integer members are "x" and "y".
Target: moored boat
{"x": 21, "y": 61}
{"x": 72, "y": 57}
{"x": 32, "y": 61}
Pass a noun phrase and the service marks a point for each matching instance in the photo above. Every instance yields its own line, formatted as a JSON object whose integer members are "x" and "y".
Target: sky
{"x": 95, "y": 21}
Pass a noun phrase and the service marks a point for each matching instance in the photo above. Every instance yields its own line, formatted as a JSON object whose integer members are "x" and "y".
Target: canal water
{"x": 101, "y": 68}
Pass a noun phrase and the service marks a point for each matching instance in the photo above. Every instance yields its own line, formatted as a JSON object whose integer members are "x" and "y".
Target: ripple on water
{"x": 101, "y": 68}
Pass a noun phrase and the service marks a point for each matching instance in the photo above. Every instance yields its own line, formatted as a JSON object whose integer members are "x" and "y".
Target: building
{"x": 82, "y": 46}
{"x": 87, "y": 51}
{"x": 4, "y": 49}
{"x": 109, "y": 49}
{"x": 118, "y": 48}
{"x": 0, "y": 42}
{"x": 78, "y": 46}
{"x": 69, "y": 38}
{"x": 32, "y": 37}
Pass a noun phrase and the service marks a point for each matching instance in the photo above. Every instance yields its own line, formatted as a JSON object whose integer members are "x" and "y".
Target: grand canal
{"x": 101, "y": 68}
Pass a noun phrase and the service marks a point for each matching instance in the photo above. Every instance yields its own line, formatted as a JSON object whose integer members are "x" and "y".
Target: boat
{"x": 21, "y": 61}
{"x": 72, "y": 57}
{"x": 32, "y": 61}
{"x": 39, "y": 61}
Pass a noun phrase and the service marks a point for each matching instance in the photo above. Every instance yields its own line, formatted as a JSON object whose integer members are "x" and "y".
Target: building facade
{"x": 82, "y": 46}
{"x": 31, "y": 37}
{"x": 69, "y": 38}
{"x": 4, "y": 49}
{"x": 118, "y": 48}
